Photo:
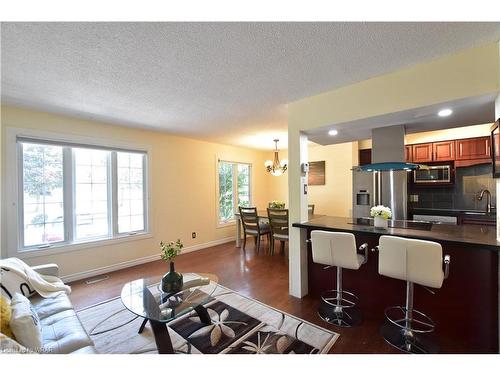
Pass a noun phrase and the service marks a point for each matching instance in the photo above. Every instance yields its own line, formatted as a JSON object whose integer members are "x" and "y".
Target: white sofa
{"x": 62, "y": 331}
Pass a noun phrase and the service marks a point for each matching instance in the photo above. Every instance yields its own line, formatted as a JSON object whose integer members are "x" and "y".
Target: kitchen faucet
{"x": 488, "y": 199}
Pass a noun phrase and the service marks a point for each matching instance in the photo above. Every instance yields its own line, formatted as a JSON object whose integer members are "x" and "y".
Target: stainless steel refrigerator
{"x": 388, "y": 188}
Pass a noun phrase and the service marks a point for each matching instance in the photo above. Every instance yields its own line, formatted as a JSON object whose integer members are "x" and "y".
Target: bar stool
{"x": 338, "y": 249}
{"x": 414, "y": 261}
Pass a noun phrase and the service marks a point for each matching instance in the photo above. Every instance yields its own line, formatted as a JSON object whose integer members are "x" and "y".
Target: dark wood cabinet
{"x": 443, "y": 151}
{"x": 408, "y": 154}
{"x": 365, "y": 156}
{"x": 473, "y": 148}
{"x": 422, "y": 153}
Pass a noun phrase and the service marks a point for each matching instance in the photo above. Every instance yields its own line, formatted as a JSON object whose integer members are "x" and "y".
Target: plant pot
{"x": 172, "y": 281}
{"x": 380, "y": 222}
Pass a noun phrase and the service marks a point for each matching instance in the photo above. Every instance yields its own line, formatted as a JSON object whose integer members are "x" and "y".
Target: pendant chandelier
{"x": 276, "y": 167}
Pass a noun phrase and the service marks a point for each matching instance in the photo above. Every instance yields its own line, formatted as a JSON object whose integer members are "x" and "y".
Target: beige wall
{"x": 183, "y": 176}
{"x": 439, "y": 135}
{"x": 335, "y": 197}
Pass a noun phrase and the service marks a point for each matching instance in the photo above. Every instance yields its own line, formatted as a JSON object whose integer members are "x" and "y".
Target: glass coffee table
{"x": 145, "y": 298}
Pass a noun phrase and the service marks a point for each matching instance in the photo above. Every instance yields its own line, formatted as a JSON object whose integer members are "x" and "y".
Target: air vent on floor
{"x": 97, "y": 279}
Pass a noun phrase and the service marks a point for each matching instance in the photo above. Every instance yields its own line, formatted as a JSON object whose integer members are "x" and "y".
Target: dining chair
{"x": 253, "y": 227}
{"x": 310, "y": 209}
{"x": 278, "y": 221}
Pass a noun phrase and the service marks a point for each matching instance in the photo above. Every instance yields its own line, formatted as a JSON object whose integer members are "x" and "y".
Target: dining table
{"x": 262, "y": 216}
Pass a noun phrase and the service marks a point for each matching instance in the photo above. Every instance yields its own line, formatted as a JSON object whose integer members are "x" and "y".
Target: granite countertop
{"x": 477, "y": 236}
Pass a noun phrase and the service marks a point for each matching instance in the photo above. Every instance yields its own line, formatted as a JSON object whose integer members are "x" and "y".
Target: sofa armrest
{"x": 47, "y": 269}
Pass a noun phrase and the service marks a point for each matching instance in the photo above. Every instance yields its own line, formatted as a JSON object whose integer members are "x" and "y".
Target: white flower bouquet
{"x": 381, "y": 211}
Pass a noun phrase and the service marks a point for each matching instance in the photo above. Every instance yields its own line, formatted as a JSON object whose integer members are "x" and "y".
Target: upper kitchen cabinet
{"x": 443, "y": 151}
{"x": 473, "y": 148}
{"x": 422, "y": 153}
{"x": 465, "y": 152}
{"x": 408, "y": 154}
{"x": 365, "y": 156}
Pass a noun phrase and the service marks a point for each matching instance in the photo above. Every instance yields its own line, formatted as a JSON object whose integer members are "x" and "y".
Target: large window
{"x": 130, "y": 192}
{"x": 74, "y": 194}
{"x": 43, "y": 209}
{"x": 234, "y": 189}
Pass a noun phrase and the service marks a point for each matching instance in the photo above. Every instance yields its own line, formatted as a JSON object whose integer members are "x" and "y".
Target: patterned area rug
{"x": 239, "y": 325}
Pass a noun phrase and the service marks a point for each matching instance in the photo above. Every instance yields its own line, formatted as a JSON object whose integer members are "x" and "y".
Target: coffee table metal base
{"x": 160, "y": 330}
{"x": 162, "y": 337}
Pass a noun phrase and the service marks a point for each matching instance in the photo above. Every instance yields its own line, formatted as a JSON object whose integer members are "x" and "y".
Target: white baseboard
{"x": 135, "y": 262}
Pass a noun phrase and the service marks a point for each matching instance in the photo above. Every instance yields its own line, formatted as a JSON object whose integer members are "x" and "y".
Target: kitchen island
{"x": 465, "y": 309}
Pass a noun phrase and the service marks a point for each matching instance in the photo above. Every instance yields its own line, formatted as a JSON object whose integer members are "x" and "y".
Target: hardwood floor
{"x": 260, "y": 276}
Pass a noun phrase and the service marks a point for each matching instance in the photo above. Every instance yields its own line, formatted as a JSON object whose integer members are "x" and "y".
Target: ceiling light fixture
{"x": 276, "y": 167}
{"x": 333, "y": 132}
{"x": 445, "y": 112}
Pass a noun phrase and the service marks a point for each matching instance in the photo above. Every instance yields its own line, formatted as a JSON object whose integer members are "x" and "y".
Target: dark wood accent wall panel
{"x": 465, "y": 309}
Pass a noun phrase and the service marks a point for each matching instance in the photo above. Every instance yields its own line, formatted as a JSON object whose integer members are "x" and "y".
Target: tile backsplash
{"x": 462, "y": 195}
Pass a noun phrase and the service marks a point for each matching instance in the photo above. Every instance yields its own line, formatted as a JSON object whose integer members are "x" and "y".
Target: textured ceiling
{"x": 223, "y": 82}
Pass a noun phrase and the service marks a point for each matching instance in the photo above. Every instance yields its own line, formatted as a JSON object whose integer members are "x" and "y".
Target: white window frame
{"x": 14, "y": 193}
{"x": 221, "y": 224}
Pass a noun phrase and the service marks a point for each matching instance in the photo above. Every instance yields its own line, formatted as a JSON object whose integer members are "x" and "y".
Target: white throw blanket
{"x": 46, "y": 286}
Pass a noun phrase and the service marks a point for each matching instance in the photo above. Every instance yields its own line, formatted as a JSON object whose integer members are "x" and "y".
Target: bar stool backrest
{"x": 413, "y": 260}
{"x": 335, "y": 249}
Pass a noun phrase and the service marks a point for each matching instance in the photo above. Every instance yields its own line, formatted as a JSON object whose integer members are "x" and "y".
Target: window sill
{"x": 231, "y": 223}
{"x": 66, "y": 248}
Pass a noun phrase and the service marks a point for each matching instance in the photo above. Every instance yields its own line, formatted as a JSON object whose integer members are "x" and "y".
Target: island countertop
{"x": 473, "y": 278}
{"x": 477, "y": 236}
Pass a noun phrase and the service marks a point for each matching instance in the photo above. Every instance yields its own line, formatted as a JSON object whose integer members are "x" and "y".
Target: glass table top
{"x": 145, "y": 298}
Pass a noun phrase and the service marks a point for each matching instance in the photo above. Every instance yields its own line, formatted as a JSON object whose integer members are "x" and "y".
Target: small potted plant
{"x": 278, "y": 205}
{"x": 380, "y": 215}
{"x": 172, "y": 281}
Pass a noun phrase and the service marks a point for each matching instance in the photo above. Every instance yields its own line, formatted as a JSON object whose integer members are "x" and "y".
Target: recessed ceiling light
{"x": 445, "y": 112}
{"x": 333, "y": 132}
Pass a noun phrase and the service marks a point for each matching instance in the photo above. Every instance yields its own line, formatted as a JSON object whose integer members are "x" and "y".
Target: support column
{"x": 297, "y": 197}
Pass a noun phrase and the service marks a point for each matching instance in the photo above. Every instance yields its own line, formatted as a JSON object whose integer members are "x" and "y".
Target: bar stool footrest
{"x": 347, "y": 301}
{"x": 420, "y": 323}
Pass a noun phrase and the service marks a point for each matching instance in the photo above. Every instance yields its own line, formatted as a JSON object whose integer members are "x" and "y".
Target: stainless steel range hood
{"x": 385, "y": 180}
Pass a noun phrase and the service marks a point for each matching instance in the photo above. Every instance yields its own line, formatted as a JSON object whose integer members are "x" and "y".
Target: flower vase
{"x": 172, "y": 281}
{"x": 380, "y": 222}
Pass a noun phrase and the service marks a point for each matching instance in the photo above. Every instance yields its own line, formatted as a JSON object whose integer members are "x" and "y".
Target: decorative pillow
{"x": 11, "y": 283}
{"x": 25, "y": 323}
{"x": 5, "y": 314}
{"x": 10, "y": 346}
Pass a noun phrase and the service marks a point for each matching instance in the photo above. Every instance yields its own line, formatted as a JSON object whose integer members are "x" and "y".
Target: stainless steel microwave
{"x": 433, "y": 174}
